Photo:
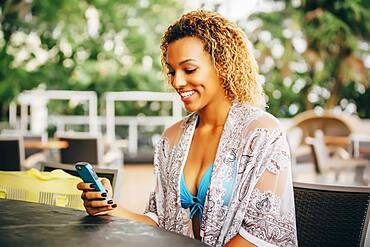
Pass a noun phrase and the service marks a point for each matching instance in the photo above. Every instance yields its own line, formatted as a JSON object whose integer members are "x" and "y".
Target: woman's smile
{"x": 186, "y": 95}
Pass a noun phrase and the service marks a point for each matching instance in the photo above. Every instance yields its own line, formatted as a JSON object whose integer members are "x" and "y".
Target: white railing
{"x": 40, "y": 98}
{"x": 133, "y": 122}
{"x": 110, "y": 120}
{"x": 37, "y": 100}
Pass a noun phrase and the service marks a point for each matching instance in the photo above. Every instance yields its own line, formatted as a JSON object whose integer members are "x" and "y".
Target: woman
{"x": 222, "y": 173}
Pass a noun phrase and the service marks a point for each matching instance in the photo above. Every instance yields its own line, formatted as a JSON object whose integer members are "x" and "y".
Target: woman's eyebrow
{"x": 187, "y": 60}
{"x": 182, "y": 62}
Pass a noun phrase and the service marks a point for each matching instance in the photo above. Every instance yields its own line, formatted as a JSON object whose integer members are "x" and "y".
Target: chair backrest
{"x": 31, "y": 151}
{"x": 11, "y": 153}
{"x": 113, "y": 175}
{"x": 85, "y": 148}
{"x": 26, "y": 136}
{"x": 329, "y": 215}
{"x": 330, "y": 122}
{"x": 320, "y": 150}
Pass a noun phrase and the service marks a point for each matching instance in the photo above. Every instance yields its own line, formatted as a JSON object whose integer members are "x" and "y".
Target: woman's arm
{"x": 96, "y": 203}
{"x": 127, "y": 214}
{"x": 239, "y": 241}
{"x": 269, "y": 211}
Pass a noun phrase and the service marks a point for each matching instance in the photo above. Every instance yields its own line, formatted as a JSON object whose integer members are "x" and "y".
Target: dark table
{"x": 32, "y": 224}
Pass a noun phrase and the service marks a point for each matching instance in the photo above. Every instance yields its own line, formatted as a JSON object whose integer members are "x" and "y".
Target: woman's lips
{"x": 186, "y": 95}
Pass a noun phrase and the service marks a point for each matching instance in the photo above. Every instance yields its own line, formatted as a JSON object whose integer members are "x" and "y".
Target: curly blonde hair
{"x": 227, "y": 45}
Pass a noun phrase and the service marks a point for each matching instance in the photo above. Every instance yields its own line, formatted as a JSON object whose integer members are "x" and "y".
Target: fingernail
{"x": 110, "y": 202}
{"x": 92, "y": 186}
{"x": 114, "y": 205}
{"x": 104, "y": 194}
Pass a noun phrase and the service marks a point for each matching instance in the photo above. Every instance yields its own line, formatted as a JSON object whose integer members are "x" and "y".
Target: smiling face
{"x": 193, "y": 75}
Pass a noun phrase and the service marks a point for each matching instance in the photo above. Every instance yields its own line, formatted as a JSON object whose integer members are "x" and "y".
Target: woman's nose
{"x": 178, "y": 80}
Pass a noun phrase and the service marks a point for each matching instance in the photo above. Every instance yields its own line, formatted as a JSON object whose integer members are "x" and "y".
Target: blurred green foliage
{"x": 314, "y": 54}
{"x": 100, "y": 45}
{"x": 311, "y": 53}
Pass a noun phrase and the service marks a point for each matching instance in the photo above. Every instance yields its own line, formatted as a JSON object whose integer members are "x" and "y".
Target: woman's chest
{"x": 201, "y": 156}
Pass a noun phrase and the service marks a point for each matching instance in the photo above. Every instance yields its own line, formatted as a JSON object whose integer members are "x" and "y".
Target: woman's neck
{"x": 215, "y": 114}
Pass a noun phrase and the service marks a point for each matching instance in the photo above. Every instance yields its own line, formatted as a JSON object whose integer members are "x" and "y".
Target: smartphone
{"x": 88, "y": 175}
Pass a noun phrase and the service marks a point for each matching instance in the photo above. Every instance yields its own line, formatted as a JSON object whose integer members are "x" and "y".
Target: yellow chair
{"x": 54, "y": 188}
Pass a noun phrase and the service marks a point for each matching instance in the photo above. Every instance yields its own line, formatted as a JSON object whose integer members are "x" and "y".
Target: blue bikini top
{"x": 195, "y": 203}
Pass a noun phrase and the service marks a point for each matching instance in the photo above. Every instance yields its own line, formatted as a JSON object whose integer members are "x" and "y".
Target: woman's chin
{"x": 191, "y": 107}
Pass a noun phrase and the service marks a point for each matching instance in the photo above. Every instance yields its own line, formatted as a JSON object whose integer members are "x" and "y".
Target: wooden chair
{"x": 336, "y": 127}
{"x": 324, "y": 162}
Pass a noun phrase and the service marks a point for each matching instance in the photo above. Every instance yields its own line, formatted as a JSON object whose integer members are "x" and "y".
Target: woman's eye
{"x": 189, "y": 71}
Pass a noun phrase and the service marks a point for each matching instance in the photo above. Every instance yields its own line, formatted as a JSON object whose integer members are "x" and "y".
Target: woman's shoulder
{"x": 173, "y": 132}
{"x": 251, "y": 114}
{"x": 260, "y": 118}
{"x": 266, "y": 121}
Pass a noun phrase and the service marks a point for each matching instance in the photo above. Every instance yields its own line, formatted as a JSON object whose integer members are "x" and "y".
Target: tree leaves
{"x": 332, "y": 31}
{"x": 90, "y": 45}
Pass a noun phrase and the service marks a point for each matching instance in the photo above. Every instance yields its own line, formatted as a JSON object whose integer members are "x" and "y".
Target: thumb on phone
{"x": 106, "y": 183}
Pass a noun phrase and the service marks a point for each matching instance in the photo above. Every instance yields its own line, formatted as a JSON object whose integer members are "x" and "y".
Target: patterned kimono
{"x": 250, "y": 192}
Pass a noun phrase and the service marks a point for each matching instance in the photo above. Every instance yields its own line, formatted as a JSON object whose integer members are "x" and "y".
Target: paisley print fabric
{"x": 263, "y": 220}
{"x": 250, "y": 192}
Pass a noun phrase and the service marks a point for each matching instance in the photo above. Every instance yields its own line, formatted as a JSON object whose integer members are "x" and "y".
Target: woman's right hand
{"x": 96, "y": 203}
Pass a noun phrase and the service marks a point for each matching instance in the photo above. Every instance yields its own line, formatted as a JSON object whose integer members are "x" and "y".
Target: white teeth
{"x": 187, "y": 93}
